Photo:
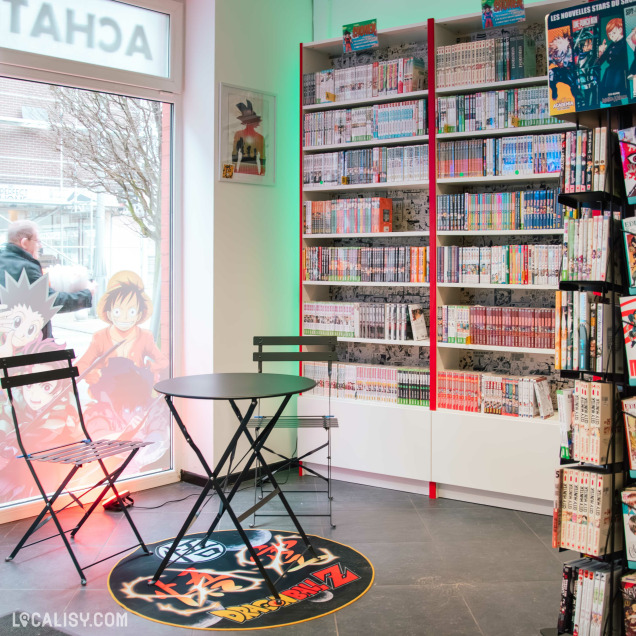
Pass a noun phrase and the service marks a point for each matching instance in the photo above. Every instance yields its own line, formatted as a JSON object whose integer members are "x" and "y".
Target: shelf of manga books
{"x": 596, "y": 316}
{"x": 366, "y": 260}
{"x": 499, "y": 230}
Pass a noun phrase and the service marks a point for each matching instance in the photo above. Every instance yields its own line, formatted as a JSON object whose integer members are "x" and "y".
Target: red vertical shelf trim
{"x": 302, "y": 220}
{"x": 432, "y": 222}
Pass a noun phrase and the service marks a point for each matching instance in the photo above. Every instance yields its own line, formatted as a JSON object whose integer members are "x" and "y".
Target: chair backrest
{"x": 328, "y": 355}
{"x": 28, "y": 361}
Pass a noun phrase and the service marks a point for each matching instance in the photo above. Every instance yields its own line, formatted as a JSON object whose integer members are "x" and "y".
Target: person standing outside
{"x": 21, "y": 253}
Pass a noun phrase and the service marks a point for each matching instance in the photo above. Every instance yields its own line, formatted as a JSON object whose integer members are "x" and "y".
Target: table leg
{"x": 282, "y": 497}
{"x": 241, "y": 429}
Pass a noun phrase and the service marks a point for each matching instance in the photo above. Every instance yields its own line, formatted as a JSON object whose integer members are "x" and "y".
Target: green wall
{"x": 330, "y": 15}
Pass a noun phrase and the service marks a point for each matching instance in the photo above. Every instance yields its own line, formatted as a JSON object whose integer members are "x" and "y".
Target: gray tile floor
{"x": 442, "y": 567}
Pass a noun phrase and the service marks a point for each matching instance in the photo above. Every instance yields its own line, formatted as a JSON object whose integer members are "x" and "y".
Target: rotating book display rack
{"x": 587, "y": 515}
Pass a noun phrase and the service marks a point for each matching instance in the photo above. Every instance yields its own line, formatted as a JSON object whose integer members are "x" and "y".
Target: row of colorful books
{"x": 392, "y": 385}
{"x": 586, "y": 601}
{"x": 383, "y": 78}
{"x": 484, "y": 61}
{"x": 523, "y": 327}
{"x": 518, "y": 210}
{"x": 585, "y": 247}
{"x": 379, "y": 321}
{"x": 499, "y": 264}
{"x": 368, "y": 165}
{"x": 526, "y": 154}
{"x": 583, "y": 159}
{"x": 585, "y": 418}
{"x": 395, "y": 264}
{"x": 380, "y": 121}
{"x": 584, "y": 333}
{"x": 347, "y": 216}
{"x": 515, "y": 396}
{"x": 494, "y": 110}
{"x": 581, "y": 514}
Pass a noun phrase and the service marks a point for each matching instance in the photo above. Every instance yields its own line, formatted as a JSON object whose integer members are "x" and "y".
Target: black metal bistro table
{"x": 233, "y": 387}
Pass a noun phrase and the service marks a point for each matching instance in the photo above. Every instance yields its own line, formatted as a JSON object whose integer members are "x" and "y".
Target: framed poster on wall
{"x": 247, "y": 145}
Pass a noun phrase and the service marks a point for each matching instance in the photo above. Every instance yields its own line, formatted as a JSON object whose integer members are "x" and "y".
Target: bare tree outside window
{"x": 112, "y": 144}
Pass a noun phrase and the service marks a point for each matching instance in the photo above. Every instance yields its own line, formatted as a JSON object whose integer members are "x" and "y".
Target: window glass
{"x": 92, "y": 171}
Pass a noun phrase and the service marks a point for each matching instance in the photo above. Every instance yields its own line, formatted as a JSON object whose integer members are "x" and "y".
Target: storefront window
{"x": 92, "y": 170}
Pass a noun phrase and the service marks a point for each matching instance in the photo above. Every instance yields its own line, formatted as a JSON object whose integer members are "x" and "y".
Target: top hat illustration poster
{"x": 246, "y": 134}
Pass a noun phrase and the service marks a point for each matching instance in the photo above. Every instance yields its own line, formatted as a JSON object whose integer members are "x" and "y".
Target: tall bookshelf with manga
{"x": 365, "y": 247}
{"x": 593, "y": 498}
{"x": 498, "y": 242}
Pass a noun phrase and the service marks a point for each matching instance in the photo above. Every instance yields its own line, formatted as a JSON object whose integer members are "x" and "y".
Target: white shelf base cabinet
{"x": 494, "y": 453}
{"x": 385, "y": 439}
{"x": 490, "y": 459}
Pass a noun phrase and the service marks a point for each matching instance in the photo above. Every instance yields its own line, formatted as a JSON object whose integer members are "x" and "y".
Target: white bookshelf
{"x": 333, "y": 283}
{"x": 500, "y": 132}
{"x": 496, "y": 286}
{"x": 460, "y": 233}
{"x": 366, "y": 101}
{"x": 405, "y": 343}
{"x": 478, "y": 347}
{"x": 352, "y": 145}
{"x": 373, "y": 235}
{"x": 444, "y": 91}
{"x": 513, "y": 178}
{"x": 508, "y": 457}
{"x": 368, "y": 186}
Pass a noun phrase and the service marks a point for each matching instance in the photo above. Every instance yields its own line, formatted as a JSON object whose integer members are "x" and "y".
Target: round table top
{"x": 234, "y": 386}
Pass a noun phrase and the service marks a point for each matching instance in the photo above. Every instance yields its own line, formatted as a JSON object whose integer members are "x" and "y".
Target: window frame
{"x": 12, "y": 61}
{"x": 37, "y": 68}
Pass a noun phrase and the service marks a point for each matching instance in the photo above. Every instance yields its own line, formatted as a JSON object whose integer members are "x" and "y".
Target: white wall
{"x": 237, "y": 260}
{"x": 331, "y": 15}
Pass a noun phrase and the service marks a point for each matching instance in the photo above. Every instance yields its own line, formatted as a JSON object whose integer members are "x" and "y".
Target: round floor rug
{"x": 218, "y": 587}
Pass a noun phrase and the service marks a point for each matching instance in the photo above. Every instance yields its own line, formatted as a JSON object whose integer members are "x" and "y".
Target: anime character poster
{"x": 495, "y": 13}
{"x": 612, "y": 57}
{"x": 585, "y": 38}
{"x": 602, "y": 37}
{"x": 561, "y": 72}
{"x": 246, "y": 134}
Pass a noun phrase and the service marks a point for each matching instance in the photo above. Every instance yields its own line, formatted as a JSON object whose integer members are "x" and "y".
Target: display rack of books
{"x": 593, "y": 500}
{"x": 498, "y": 251}
{"x": 366, "y": 260}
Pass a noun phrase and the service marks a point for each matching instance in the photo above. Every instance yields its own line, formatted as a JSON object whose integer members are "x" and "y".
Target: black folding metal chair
{"x": 74, "y": 455}
{"x": 327, "y": 422}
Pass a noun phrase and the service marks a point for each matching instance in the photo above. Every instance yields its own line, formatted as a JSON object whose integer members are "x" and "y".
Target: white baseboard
{"x": 31, "y": 508}
{"x": 469, "y": 495}
{"x": 372, "y": 479}
{"x": 495, "y": 499}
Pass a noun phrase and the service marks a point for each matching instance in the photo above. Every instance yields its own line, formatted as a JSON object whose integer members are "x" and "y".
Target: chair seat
{"x": 296, "y": 421}
{"x": 85, "y": 451}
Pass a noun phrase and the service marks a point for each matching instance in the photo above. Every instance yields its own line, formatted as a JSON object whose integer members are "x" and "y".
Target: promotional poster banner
{"x": 591, "y": 61}
{"x": 496, "y": 13}
{"x": 360, "y": 36}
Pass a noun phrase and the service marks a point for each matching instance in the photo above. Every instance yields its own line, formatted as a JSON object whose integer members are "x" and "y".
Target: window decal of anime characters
{"x": 124, "y": 306}
{"x": 25, "y": 309}
{"x": 48, "y": 417}
{"x": 126, "y": 408}
{"x": 121, "y": 366}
